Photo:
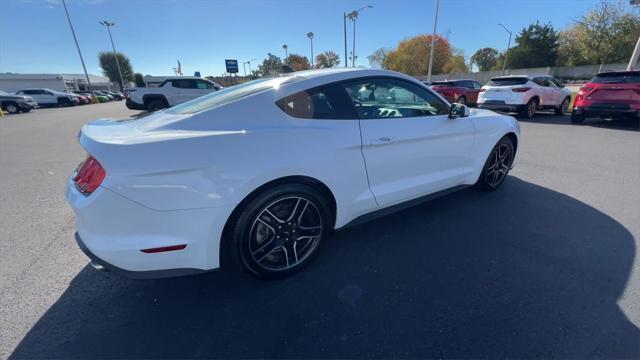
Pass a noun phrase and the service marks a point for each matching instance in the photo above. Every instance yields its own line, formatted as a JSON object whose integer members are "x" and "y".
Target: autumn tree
{"x": 485, "y": 58}
{"x": 327, "y": 59}
{"x": 110, "y": 67}
{"x": 412, "y": 55}
{"x": 298, "y": 62}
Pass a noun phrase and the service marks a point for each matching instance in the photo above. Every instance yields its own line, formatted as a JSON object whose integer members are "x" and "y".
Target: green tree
{"x": 455, "y": 65}
{"x": 298, "y": 62}
{"x": 378, "y": 57}
{"x": 412, "y": 55}
{"x": 327, "y": 59}
{"x": 536, "y": 46}
{"x": 139, "y": 80}
{"x": 110, "y": 68}
{"x": 485, "y": 58}
{"x": 270, "y": 66}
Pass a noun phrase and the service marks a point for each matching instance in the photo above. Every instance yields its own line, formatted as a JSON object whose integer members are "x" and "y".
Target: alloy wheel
{"x": 285, "y": 233}
{"x": 500, "y": 164}
{"x": 565, "y": 106}
{"x": 531, "y": 108}
{"x": 12, "y": 109}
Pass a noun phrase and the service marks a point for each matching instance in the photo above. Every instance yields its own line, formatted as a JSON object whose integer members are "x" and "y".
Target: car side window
{"x": 539, "y": 81}
{"x": 182, "y": 84}
{"x": 203, "y": 85}
{"x": 476, "y": 85}
{"x": 392, "y": 98}
{"x": 553, "y": 82}
{"x": 326, "y": 102}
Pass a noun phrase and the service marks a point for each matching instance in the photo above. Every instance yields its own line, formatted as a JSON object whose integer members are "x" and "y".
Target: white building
{"x": 59, "y": 82}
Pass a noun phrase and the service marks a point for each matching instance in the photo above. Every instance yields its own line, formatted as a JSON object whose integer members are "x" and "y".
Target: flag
{"x": 179, "y": 71}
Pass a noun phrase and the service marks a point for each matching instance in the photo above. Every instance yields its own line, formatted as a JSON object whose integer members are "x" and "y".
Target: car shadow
{"x": 521, "y": 272}
{"x": 553, "y": 119}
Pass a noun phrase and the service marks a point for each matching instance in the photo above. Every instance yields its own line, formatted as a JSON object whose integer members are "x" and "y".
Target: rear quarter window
{"x": 508, "y": 81}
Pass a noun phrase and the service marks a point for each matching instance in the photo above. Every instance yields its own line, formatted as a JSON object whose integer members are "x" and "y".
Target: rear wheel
{"x": 576, "y": 118}
{"x": 12, "y": 108}
{"x": 280, "y": 231}
{"x": 497, "y": 166}
{"x": 564, "y": 107}
{"x": 529, "y": 110}
{"x": 155, "y": 105}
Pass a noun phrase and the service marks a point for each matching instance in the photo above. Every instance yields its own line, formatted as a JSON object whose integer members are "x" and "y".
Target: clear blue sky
{"x": 202, "y": 33}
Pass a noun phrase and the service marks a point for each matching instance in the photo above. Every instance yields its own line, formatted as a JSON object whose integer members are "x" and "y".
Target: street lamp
{"x": 115, "y": 55}
{"x": 286, "y": 53}
{"x": 353, "y": 16}
{"x": 504, "y": 65}
{"x": 247, "y": 62}
{"x": 310, "y": 36}
{"x": 78, "y": 48}
{"x": 433, "y": 40}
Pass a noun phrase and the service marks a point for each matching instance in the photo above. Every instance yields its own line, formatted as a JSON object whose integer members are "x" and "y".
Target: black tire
{"x": 577, "y": 119}
{"x": 496, "y": 165}
{"x": 26, "y": 110}
{"x": 267, "y": 251}
{"x": 529, "y": 111}
{"x": 155, "y": 105}
{"x": 564, "y": 107}
{"x": 64, "y": 102}
{"x": 11, "y": 108}
{"x": 462, "y": 100}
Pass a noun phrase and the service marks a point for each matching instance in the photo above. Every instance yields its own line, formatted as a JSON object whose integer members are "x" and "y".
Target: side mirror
{"x": 458, "y": 110}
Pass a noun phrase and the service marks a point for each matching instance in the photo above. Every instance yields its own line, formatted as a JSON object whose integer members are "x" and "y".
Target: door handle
{"x": 382, "y": 140}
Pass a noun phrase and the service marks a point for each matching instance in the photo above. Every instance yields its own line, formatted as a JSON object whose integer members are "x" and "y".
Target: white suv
{"x": 525, "y": 94}
{"x": 172, "y": 91}
{"x": 50, "y": 97}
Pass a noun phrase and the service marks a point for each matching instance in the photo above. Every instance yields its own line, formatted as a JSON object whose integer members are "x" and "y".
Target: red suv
{"x": 458, "y": 91}
{"x": 610, "y": 94}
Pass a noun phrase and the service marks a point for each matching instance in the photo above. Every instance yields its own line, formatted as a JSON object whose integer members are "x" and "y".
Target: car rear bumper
{"x": 497, "y": 105}
{"x": 605, "y": 110}
{"x": 134, "y": 105}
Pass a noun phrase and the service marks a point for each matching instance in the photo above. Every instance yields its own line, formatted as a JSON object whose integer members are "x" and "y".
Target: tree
{"x": 270, "y": 66}
{"x": 298, "y": 62}
{"x": 327, "y": 59}
{"x": 536, "y": 46}
{"x": 376, "y": 59}
{"x": 139, "y": 80}
{"x": 485, "y": 58}
{"x": 412, "y": 55}
{"x": 110, "y": 68}
{"x": 455, "y": 65}
{"x": 606, "y": 34}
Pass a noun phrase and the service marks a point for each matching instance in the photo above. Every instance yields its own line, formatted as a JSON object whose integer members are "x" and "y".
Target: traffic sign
{"x": 232, "y": 65}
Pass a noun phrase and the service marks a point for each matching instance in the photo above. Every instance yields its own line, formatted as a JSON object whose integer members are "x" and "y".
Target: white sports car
{"x": 267, "y": 169}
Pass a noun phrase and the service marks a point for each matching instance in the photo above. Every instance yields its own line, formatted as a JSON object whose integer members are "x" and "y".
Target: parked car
{"x": 13, "y": 104}
{"x": 116, "y": 95}
{"x": 83, "y": 99}
{"x": 265, "y": 170}
{"x": 105, "y": 94}
{"x": 50, "y": 97}
{"x": 172, "y": 91}
{"x": 458, "y": 91}
{"x": 610, "y": 94}
{"x": 99, "y": 98}
{"x": 525, "y": 94}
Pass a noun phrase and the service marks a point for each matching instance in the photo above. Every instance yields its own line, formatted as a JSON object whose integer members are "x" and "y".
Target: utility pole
{"x": 506, "y": 54}
{"x": 353, "y": 16}
{"x": 433, "y": 40}
{"x": 64, "y": 4}
{"x": 344, "y": 18}
{"x": 115, "y": 54}
{"x": 310, "y": 36}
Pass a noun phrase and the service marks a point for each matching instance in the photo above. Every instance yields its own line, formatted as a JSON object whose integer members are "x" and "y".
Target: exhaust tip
{"x": 97, "y": 266}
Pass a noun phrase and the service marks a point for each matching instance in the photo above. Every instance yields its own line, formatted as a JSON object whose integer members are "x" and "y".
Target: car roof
{"x": 528, "y": 76}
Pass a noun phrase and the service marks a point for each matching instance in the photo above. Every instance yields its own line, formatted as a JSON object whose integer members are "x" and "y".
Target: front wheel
{"x": 563, "y": 108}
{"x": 497, "y": 166}
{"x": 280, "y": 231}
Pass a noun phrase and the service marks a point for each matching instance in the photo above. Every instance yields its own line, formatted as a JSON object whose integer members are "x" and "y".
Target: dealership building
{"x": 58, "y": 82}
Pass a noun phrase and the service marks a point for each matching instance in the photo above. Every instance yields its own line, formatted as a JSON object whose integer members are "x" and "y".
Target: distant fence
{"x": 583, "y": 72}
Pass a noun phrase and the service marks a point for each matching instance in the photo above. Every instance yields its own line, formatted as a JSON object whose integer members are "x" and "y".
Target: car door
{"x": 556, "y": 90}
{"x": 473, "y": 89}
{"x": 180, "y": 91}
{"x": 545, "y": 93}
{"x": 410, "y": 146}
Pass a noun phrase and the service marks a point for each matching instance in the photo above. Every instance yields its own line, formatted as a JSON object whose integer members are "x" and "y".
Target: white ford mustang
{"x": 267, "y": 169}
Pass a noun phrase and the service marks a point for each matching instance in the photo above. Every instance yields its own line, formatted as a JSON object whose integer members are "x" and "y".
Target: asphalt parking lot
{"x": 545, "y": 267}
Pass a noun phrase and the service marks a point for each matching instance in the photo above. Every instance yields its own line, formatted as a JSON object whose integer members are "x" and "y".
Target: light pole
{"x": 286, "y": 52}
{"x": 310, "y": 36}
{"x": 78, "y": 47}
{"x": 353, "y": 16}
{"x": 433, "y": 40}
{"x": 115, "y": 55}
{"x": 506, "y": 54}
{"x": 249, "y": 63}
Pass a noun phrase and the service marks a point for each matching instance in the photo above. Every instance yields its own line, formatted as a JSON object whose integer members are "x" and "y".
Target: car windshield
{"x": 617, "y": 77}
{"x": 229, "y": 94}
{"x": 510, "y": 81}
{"x": 444, "y": 83}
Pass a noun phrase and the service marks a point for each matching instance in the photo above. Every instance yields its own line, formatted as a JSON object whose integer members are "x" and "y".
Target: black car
{"x": 15, "y": 103}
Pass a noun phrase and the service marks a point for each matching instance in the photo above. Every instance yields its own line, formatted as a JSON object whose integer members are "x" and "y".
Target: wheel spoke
{"x": 298, "y": 210}
{"x": 265, "y": 250}
{"x": 272, "y": 216}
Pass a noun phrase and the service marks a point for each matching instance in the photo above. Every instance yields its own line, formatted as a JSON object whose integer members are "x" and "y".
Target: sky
{"x": 154, "y": 34}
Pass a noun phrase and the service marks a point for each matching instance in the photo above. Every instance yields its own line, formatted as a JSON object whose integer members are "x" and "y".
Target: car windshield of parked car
{"x": 620, "y": 77}
{"x": 229, "y": 94}
{"x": 444, "y": 83}
{"x": 508, "y": 81}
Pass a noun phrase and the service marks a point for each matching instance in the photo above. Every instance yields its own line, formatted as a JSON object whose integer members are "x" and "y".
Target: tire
{"x": 12, "y": 108}
{"x": 26, "y": 110}
{"x": 529, "y": 111}
{"x": 462, "y": 100}
{"x": 564, "y": 107}
{"x": 64, "y": 102}
{"x": 155, "y": 105}
{"x": 280, "y": 231}
{"x": 497, "y": 166}
{"x": 577, "y": 119}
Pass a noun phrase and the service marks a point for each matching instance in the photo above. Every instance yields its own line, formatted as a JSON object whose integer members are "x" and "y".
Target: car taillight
{"x": 522, "y": 89}
{"x": 482, "y": 90}
{"x": 89, "y": 175}
{"x": 585, "y": 90}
